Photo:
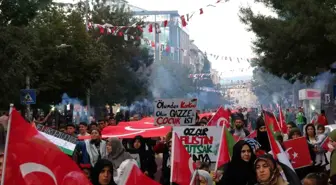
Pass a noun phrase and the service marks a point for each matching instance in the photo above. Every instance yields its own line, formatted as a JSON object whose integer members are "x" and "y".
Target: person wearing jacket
{"x": 147, "y": 157}
{"x": 239, "y": 130}
{"x": 95, "y": 148}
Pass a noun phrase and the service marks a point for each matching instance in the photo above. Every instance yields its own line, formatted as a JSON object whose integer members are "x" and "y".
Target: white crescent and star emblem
{"x": 122, "y": 135}
{"x": 28, "y": 168}
{"x": 293, "y": 155}
{"x": 220, "y": 120}
{"x": 143, "y": 129}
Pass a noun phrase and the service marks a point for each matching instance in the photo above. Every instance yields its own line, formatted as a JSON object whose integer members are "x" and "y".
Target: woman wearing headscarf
{"x": 95, "y": 147}
{"x": 262, "y": 137}
{"x": 119, "y": 157}
{"x": 202, "y": 177}
{"x": 102, "y": 173}
{"x": 239, "y": 170}
{"x": 268, "y": 172}
{"x": 147, "y": 157}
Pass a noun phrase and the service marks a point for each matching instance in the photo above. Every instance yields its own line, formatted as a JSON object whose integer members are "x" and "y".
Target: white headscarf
{"x": 205, "y": 175}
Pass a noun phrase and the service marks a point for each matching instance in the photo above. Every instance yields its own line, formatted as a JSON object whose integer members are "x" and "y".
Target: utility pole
{"x": 88, "y": 92}
{"x": 28, "y": 105}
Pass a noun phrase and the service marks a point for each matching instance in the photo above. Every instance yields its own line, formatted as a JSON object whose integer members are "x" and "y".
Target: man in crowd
{"x": 83, "y": 129}
{"x": 239, "y": 130}
{"x": 70, "y": 129}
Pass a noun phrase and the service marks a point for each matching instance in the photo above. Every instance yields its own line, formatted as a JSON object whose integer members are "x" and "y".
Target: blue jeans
{"x": 301, "y": 126}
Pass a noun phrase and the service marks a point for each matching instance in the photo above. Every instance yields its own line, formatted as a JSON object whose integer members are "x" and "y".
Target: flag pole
{"x": 172, "y": 157}
{"x": 11, "y": 106}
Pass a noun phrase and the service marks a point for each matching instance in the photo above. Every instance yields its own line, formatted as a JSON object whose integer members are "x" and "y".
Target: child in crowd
{"x": 316, "y": 179}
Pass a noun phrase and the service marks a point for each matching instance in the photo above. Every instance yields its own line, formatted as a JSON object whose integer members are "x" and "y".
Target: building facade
{"x": 174, "y": 34}
{"x": 196, "y": 58}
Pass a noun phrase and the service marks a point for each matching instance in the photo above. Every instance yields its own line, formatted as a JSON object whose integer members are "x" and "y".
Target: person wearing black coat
{"x": 262, "y": 136}
{"x": 240, "y": 170}
{"x": 147, "y": 157}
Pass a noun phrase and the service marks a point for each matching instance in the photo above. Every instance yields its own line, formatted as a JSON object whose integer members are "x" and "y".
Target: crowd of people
{"x": 103, "y": 160}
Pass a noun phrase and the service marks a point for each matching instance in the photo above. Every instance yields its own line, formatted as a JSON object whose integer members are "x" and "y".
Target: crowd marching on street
{"x": 255, "y": 148}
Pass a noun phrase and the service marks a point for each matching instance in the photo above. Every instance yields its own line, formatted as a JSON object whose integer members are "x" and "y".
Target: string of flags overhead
{"x": 175, "y": 20}
{"x": 130, "y": 33}
{"x": 120, "y": 30}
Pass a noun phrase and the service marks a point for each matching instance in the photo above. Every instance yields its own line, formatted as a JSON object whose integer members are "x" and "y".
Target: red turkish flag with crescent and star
{"x": 222, "y": 117}
{"x": 298, "y": 152}
{"x": 34, "y": 160}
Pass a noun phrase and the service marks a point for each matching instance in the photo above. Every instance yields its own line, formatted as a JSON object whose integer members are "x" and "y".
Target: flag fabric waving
{"x": 225, "y": 149}
{"x": 222, "y": 117}
{"x": 135, "y": 176}
{"x": 270, "y": 119}
{"x": 282, "y": 121}
{"x": 277, "y": 151}
{"x": 298, "y": 152}
{"x": 32, "y": 159}
{"x": 182, "y": 166}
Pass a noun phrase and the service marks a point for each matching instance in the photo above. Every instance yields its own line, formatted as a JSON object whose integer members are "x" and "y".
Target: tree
{"x": 126, "y": 75}
{"x": 17, "y": 44}
{"x": 32, "y": 50}
{"x": 20, "y": 13}
{"x": 74, "y": 67}
{"x": 299, "y": 42}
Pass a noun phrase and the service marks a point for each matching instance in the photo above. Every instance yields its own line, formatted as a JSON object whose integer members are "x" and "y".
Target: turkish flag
{"x": 34, "y": 160}
{"x": 144, "y": 121}
{"x": 220, "y": 118}
{"x": 182, "y": 166}
{"x": 298, "y": 152}
{"x": 135, "y": 175}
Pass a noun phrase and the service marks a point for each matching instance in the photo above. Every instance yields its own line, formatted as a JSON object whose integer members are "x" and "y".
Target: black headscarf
{"x": 238, "y": 171}
{"x": 99, "y": 166}
{"x": 262, "y": 137}
{"x": 142, "y": 150}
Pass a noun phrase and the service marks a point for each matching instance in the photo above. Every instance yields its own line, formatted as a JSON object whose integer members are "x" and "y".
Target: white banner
{"x": 201, "y": 142}
{"x": 175, "y": 112}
